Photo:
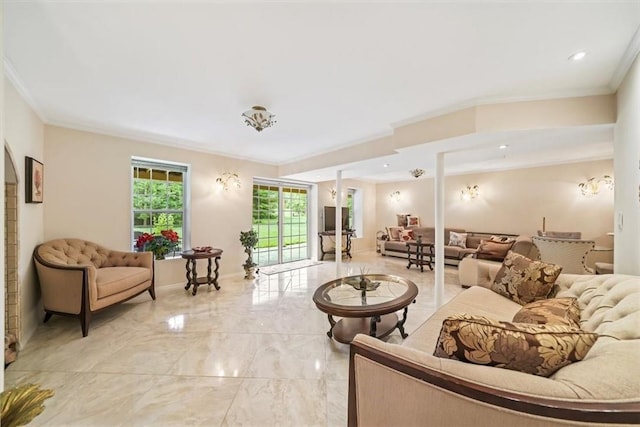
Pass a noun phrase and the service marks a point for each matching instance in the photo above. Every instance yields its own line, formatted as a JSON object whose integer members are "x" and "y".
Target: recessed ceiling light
{"x": 578, "y": 56}
{"x": 503, "y": 146}
{"x": 386, "y": 165}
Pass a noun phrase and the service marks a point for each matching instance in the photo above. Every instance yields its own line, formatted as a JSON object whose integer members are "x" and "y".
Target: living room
{"x": 88, "y": 189}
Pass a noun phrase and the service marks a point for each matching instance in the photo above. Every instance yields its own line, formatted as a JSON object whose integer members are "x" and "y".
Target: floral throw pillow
{"x": 413, "y": 220}
{"x": 458, "y": 239}
{"x": 402, "y": 219}
{"x": 560, "y": 311}
{"x": 533, "y": 349}
{"x": 524, "y": 280}
{"x": 406, "y": 235}
{"x": 394, "y": 233}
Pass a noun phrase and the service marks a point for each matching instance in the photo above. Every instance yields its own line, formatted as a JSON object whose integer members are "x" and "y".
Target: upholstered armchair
{"x": 79, "y": 278}
{"x": 571, "y": 254}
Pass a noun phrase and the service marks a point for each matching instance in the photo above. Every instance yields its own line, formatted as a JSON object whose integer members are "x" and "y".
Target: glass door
{"x": 280, "y": 219}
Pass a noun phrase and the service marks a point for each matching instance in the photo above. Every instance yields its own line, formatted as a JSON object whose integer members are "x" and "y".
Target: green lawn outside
{"x": 294, "y": 233}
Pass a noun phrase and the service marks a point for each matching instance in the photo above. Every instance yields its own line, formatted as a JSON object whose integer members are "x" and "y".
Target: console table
{"x": 420, "y": 254}
{"x": 346, "y": 250}
{"x": 192, "y": 275}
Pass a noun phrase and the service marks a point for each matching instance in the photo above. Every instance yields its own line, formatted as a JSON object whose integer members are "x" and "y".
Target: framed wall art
{"x": 34, "y": 182}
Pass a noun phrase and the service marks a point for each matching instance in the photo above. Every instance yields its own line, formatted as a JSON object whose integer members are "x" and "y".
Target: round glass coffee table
{"x": 366, "y": 303}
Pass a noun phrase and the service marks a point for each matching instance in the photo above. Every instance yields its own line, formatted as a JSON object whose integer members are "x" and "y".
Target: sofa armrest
{"x": 65, "y": 288}
{"x": 376, "y": 375}
{"x": 130, "y": 259}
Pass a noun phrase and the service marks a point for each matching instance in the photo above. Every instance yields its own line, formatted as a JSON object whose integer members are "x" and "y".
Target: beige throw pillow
{"x": 491, "y": 250}
{"x": 524, "y": 280}
{"x": 458, "y": 239}
{"x": 560, "y": 311}
{"x": 406, "y": 235}
{"x": 533, "y": 349}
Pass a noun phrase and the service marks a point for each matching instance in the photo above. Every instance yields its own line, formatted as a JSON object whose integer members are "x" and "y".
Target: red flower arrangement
{"x": 160, "y": 245}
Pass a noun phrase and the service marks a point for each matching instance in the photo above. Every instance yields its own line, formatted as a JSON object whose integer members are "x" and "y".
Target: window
{"x": 159, "y": 199}
{"x": 355, "y": 206}
{"x": 350, "y": 196}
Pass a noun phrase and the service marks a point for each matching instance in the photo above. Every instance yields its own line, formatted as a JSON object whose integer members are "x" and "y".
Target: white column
{"x": 439, "y": 229}
{"x": 338, "y": 223}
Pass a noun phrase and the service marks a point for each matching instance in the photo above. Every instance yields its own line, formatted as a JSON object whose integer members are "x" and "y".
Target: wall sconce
{"x": 333, "y": 193}
{"x": 416, "y": 173}
{"x": 469, "y": 193}
{"x": 395, "y": 195}
{"x": 227, "y": 179}
{"x": 591, "y": 187}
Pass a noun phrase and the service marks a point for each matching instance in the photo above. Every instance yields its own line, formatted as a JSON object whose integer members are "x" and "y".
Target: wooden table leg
{"x": 194, "y": 278}
{"x": 215, "y": 278}
{"x": 188, "y": 285}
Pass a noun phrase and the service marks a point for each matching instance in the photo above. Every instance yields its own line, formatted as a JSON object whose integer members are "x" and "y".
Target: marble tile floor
{"x": 253, "y": 353}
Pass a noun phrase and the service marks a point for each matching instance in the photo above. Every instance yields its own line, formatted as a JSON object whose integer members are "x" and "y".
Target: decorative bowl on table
{"x": 202, "y": 249}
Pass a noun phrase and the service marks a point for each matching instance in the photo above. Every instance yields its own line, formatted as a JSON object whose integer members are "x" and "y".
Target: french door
{"x": 281, "y": 221}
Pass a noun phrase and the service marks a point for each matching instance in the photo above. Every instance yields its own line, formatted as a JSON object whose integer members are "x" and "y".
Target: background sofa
{"x": 602, "y": 388}
{"x": 78, "y": 277}
{"x": 452, "y": 254}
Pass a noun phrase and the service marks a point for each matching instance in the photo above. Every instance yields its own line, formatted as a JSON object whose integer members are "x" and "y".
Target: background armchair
{"x": 571, "y": 254}
{"x": 78, "y": 278}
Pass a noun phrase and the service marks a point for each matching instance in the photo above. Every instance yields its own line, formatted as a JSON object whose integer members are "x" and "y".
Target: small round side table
{"x": 192, "y": 275}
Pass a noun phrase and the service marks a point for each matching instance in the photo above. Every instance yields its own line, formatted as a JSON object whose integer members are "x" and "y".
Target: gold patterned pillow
{"x": 524, "y": 280}
{"x": 559, "y": 311}
{"x": 533, "y": 349}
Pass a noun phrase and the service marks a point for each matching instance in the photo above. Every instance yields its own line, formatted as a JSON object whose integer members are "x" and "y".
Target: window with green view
{"x": 159, "y": 199}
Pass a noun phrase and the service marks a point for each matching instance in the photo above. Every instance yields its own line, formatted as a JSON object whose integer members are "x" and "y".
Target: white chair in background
{"x": 571, "y": 254}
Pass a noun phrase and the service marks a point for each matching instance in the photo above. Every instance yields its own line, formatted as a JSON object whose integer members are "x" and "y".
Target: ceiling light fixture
{"x": 503, "y": 147}
{"x": 258, "y": 118}
{"x": 386, "y": 165}
{"x": 416, "y": 173}
{"x": 578, "y": 56}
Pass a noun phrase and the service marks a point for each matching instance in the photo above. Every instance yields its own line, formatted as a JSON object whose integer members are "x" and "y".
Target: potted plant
{"x": 160, "y": 244}
{"x": 249, "y": 240}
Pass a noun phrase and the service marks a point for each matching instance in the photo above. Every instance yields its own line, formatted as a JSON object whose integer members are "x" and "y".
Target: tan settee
{"x": 391, "y": 384}
{"x": 78, "y": 278}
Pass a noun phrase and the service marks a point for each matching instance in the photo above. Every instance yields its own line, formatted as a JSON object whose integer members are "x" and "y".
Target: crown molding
{"x": 151, "y": 138}
{"x": 12, "y": 76}
{"x": 603, "y": 90}
{"x": 629, "y": 55}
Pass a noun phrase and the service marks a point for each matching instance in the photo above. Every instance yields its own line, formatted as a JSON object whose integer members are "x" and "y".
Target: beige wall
{"x": 510, "y": 201}
{"x": 627, "y": 169}
{"x": 24, "y": 136}
{"x": 88, "y": 195}
{"x": 366, "y": 237}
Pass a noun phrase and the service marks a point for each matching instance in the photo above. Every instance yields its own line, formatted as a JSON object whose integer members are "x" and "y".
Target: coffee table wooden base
{"x": 346, "y": 329}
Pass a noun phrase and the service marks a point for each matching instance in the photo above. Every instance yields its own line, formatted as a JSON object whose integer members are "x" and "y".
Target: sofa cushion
{"x": 112, "y": 280}
{"x": 524, "y": 280}
{"x": 458, "y": 239}
{"x": 493, "y": 251}
{"x": 394, "y": 233}
{"x": 534, "y": 349}
{"x": 562, "y": 311}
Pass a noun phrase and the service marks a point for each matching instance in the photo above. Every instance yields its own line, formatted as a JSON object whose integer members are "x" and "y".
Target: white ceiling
{"x": 334, "y": 73}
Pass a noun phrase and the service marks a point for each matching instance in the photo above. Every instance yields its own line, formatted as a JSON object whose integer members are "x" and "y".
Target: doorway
{"x": 280, "y": 217}
{"x": 12, "y": 290}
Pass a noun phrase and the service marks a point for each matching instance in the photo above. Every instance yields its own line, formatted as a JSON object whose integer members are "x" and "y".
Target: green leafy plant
{"x": 249, "y": 240}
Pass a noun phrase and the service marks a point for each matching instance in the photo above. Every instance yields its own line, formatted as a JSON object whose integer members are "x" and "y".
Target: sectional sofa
{"x": 452, "y": 254}
{"x": 603, "y": 388}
